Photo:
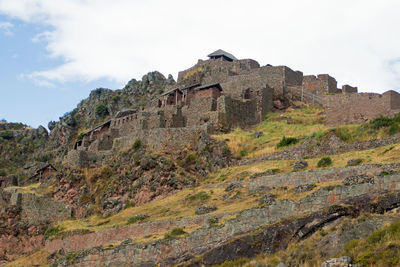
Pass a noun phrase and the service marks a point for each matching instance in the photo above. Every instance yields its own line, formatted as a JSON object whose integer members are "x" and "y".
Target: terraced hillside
{"x": 289, "y": 192}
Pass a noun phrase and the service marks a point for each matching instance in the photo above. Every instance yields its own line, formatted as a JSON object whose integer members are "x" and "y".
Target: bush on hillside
{"x": 101, "y": 110}
{"x": 287, "y": 141}
{"x": 325, "y": 162}
{"x": 7, "y": 135}
{"x": 137, "y": 145}
{"x": 381, "y": 122}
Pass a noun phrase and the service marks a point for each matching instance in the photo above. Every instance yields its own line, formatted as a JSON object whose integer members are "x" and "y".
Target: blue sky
{"x": 25, "y": 100}
{"x": 54, "y": 52}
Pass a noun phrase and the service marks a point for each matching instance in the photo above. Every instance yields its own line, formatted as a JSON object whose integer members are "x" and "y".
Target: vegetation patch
{"x": 324, "y": 162}
{"x": 287, "y": 141}
{"x": 137, "y": 218}
{"x": 200, "y": 196}
{"x": 234, "y": 263}
{"x": 101, "y": 110}
{"x": 52, "y": 231}
{"x": 137, "y": 144}
{"x": 177, "y": 231}
{"x": 7, "y": 135}
{"x": 381, "y": 248}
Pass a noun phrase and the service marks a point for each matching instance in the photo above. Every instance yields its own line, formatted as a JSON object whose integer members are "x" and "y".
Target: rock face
{"x": 344, "y": 261}
{"x": 300, "y": 165}
{"x": 215, "y": 153}
{"x": 205, "y": 209}
{"x": 304, "y": 188}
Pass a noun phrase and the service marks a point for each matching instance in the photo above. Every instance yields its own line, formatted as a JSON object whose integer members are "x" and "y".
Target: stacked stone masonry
{"x": 222, "y": 93}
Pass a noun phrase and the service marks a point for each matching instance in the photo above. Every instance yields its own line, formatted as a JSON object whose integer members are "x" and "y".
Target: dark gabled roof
{"x": 97, "y": 127}
{"x": 191, "y": 86}
{"x": 209, "y": 86}
{"x": 45, "y": 167}
{"x": 40, "y": 168}
{"x": 221, "y": 52}
{"x": 126, "y": 112}
{"x": 171, "y": 91}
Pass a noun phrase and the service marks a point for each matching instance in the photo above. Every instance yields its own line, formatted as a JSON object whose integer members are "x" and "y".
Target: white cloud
{"x": 6, "y": 28}
{"x": 355, "y": 41}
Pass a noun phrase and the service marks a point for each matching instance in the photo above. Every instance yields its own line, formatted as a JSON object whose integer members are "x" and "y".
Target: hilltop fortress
{"x": 219, "y": 94}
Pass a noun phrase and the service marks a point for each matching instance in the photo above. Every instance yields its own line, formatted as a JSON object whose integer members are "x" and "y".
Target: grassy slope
{"x": 299, "y": 123}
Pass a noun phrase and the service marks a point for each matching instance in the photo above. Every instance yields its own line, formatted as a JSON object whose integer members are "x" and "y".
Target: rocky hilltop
{"x": 233, "y": 164}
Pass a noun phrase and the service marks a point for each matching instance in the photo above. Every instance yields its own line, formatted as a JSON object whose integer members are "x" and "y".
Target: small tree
{"x": 101, "y": 110}
{"x": 7, "y": 135}
{"x": 325, "y": 162}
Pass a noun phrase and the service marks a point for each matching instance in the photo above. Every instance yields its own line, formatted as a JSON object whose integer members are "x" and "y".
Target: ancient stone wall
{"x": 349, "y": 89}
{"x": 321, "y": 84}
{"x": 163, "y": 138}
{"x": 236, "y": 112}
{"x": 197, "y": 111}
{"x": 212, "y": 71}
{"x": 36, "y": 209}
{"x": 394, "y": 99}
{"x": 359, "y": 108}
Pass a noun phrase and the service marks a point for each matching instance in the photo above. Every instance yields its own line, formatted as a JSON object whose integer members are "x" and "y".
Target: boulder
{"x": 344, "y": 261}
{"x": 354, "y": 162}
{"x": 304, "y": 188}
{"x": 232, "y": 186}
{"x": 300, "y": 165}
{"x": 267, "y": 199}
{"x": 258, "y": 134}
{"x": 358, "y": 179}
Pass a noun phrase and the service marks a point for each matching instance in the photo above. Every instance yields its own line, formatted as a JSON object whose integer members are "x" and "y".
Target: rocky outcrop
{"x": 332, "y": 202}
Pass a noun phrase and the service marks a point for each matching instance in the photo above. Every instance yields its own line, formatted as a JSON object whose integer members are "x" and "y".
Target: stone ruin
{"x": 219, "y": 94}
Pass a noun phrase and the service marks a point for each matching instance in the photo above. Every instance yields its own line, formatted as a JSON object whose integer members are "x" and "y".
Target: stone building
{"x": 221, "y": 93}
{"x": 222, "y": 55}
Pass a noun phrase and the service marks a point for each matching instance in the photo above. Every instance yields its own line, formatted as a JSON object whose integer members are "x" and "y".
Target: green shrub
{"x": 343, "y": 133}
{"x": 190, "y": 159}
{"x": 199, "y": 196}
{"x": 101, "y": 110}
{"x": 325, "y": 162}
{"x": 381, "y": 122}
{"x": 7, "y": 135}
{"x": 225, "y": 151}
{"x": 137, "y": 218}
{"x": 395, "y": 128}
{"x": 234, "y": 263}
{"x": 137, "y": 144}
{"x": 318, "y": 135}
{"x": 129, "y": 204}
{"x": 213, "y": 221}
{"x": 287, "y": 141}
{"x": 244, "y": 152}
{"x": 3, "y": 173}
{"x": 52, "y": 231}
{"x": 178, "y": 231}
{"x": 116, "y": 98}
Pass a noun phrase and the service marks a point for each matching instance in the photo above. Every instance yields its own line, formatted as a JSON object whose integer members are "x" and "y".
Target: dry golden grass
{"x": 30, "y": 189}
{"x": 176, "y": 206}
{"x": 303, "y": 122}
{"x": 38, "y": 258}
{"x": 291, "y": 195}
